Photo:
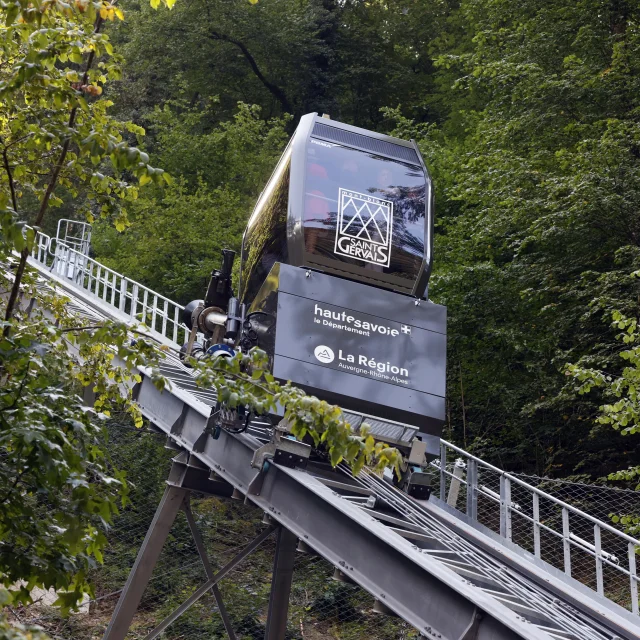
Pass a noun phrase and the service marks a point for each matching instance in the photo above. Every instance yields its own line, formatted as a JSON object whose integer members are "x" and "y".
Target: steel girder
{"x": 435, "y": 600}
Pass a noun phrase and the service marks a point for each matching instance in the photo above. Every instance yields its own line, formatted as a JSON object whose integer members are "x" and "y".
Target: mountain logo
{"x": 324, "y": 354}
{"x": 365, "y": 227}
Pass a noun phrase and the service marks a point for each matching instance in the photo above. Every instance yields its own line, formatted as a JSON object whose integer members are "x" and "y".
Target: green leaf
{"x": 12, "y": 13}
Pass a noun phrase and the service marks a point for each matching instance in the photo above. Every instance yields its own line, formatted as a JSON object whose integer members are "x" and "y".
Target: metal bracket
{"x": 209, "y": 430}
{"x": 283, "y": 451}
{"x": 176, "y": 427}
{"x": 255, "y": 486}
{"x": 417, "y": 455}
{"x": 340, "y": 576}
{"x": 419, "y": 485}
{"x": 187, "y": 472}
{"x": 381, "y": 607}
{"x": 471, "y": 632}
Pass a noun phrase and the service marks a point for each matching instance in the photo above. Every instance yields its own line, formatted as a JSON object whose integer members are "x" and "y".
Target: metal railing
{"x": 131, "y": 299}
{"x": 583, "y": 547}
{"x": 586, "y": 548}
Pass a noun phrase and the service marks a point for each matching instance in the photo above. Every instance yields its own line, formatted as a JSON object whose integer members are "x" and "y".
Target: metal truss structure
{"x": 442, "y": 571}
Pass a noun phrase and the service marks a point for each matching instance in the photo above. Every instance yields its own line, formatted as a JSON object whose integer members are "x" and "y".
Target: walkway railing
{"x": 586, "y": 548}
{"x": 583, "y": 547}
{"x": 130, "y": 298}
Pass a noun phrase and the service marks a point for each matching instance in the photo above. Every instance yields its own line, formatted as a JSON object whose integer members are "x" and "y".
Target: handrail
{"x": 547, "y": 496}
{"x": 162, "y": 315}
{"x": 564, "y": 525}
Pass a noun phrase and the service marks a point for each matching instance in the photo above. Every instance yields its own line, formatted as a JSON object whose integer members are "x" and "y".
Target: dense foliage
{"x": 61, "y": 376}
{"x": 527, "y": 115}
{"x": 57, "y": 490}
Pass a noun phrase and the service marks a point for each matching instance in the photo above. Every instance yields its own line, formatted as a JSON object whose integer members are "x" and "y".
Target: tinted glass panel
{"x": 265, "y": 241}
{"x": 363, "y": 209}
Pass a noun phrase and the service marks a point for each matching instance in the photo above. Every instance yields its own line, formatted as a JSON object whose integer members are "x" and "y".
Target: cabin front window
{"x": 364, "y": 209}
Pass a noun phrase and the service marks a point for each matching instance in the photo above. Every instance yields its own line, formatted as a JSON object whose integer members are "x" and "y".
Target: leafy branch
{"x": 245, "y": 380}
{"x": 623, "y": 390}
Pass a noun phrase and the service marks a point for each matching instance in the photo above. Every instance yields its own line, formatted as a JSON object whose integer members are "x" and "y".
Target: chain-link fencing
{"x": 320, "y": 608}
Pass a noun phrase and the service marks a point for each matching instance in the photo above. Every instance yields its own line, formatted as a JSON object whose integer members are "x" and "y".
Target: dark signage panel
{"x": 423, "y": 410}
{"x": 362, "y": 348}
{"x": 360, "y": 344}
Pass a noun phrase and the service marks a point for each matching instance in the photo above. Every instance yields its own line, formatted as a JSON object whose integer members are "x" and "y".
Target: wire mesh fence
{"x": 320, "y": 608}
{"x": 553, "y": 519}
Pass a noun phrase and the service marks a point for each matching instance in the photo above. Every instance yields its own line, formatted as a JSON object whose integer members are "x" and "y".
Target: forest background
{"x": 528, "y": 116}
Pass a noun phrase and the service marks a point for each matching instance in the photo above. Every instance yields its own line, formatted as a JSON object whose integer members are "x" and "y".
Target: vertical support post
{"x": 145, "y": 562}
{"x": 134, "y": 302}
{"x": 104, "y": 281}
{"x": 633, "y": 578}
{"x": 123, "y": 294}
{"x": 566, "y": 541}
{"x": 536, "y": 524}
{"x": 472, "y": 489}
{"x": 176, "y": 323}
{"x": 598, "y": 545}
{"x": 55, "y": 267}
{"x": 443, "y": 468}
{"x": 276, "y": 626}
{"x": 165, "y": 316}
{"x": 454, "y": 487}
{"x": 505, "y": 507}
{"x": 91, "y": 278}
{"x": 154, "y": 313}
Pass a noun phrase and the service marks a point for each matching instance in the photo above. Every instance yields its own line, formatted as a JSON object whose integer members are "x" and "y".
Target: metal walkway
{"x": 441, "y": 569}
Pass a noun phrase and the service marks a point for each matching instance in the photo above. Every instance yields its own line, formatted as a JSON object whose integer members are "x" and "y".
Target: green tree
{"x": 55, "y": 129}
{"x": 621, "y": 392}
{"x": 347, "y": 59}
{"x": 537, "y": 175}
{"x": 175, "y": 234}
{"x": 56, "y": 489}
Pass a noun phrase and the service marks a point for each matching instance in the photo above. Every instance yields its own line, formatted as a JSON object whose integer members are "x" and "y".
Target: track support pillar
{"x": 138, "y": 579}
{"x": 286, "y": 544}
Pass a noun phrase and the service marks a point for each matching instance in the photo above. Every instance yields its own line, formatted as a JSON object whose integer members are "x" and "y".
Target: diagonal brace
{"x": 202, "y": 552}
{"x": 252, "y": 546}
{"x": 142, "y": 569}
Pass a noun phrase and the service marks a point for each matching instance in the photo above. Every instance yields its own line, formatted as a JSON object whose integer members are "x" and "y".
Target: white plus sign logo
{"x": 406, "y": 329}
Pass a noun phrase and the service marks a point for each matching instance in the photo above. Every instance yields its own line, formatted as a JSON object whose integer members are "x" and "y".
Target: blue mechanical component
{"x": 216, "y": 350}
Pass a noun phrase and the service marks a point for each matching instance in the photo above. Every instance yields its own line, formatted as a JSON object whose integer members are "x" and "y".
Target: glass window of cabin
{"x": 364, "y": 209}
{"x": 265, "y": 241}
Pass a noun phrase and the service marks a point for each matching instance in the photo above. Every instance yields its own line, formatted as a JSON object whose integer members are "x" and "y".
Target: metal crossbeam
{"x": 209, "y": 584}
{"x": 417, "y": 587}
{"x": 145, "y": 562}
{"x": 202, "y": 552}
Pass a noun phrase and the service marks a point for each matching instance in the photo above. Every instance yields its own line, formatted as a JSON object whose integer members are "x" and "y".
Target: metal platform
{"x": 440, "y": 570}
